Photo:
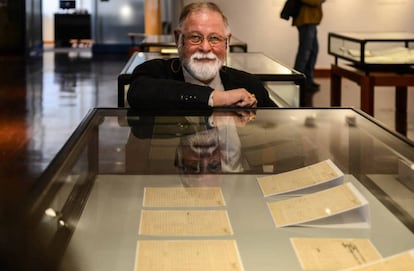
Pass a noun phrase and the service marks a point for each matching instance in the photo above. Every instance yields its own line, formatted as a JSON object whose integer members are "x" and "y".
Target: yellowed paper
{"x": 314, "y": 206}
{"x": 187, "y": 255}
{"x": 333, "y": 254}
{"x": 183, "y": 197}
{"x": 185, "y": 223}
{"x": 298, "y": 179}
{"x": 400, "y": 262}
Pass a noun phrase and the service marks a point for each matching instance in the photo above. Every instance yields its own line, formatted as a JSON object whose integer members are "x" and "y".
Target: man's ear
{"x": 228, "y": 41}
{"x": 177, "y": 36}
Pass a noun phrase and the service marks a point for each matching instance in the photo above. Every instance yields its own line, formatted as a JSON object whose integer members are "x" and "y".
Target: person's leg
{"x": 307, "y": 36}
{"x": 310, "y": 67}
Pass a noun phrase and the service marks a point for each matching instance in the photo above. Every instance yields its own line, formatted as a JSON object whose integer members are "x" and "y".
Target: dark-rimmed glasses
{"x": 197, "y": 39}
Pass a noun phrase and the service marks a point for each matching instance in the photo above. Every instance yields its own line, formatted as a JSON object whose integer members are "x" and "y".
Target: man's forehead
{"x": 204, "y": 19}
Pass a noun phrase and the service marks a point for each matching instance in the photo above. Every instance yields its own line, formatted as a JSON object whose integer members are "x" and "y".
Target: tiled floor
{"x": 42, "y": 100}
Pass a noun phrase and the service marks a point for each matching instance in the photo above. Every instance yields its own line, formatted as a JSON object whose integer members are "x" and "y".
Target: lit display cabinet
{"x": 89, "y": 210}
{"x": 371, "y": 60}
{"x": 373, "y": 50}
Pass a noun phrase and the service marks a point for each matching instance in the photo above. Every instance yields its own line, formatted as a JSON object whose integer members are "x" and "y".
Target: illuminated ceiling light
{"x": 126, "y": 12}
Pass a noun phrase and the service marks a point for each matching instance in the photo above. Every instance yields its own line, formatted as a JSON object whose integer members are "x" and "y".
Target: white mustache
{"x": 199, "y": 55}
{"x": 202, "y": 142}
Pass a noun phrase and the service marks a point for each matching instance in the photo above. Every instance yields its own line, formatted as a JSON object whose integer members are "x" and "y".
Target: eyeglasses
{"x": 213, "y": 39}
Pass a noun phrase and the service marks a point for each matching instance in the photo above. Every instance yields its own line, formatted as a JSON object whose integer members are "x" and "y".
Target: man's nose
{"x": 205, "y": 45}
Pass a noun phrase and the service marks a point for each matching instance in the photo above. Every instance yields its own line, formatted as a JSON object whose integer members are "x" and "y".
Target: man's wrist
{"x": 211, "y": 99}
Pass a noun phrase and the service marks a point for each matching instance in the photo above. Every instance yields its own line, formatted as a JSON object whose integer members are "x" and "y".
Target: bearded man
{"x": 198, "y": 78}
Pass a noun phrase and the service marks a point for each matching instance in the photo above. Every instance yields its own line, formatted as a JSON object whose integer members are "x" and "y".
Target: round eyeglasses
{"x": 213, "y": 39}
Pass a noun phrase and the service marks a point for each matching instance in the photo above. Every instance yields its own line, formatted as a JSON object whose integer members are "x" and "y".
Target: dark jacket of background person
{"x": 309, "y": 13}
{"x": 159, "y": 83}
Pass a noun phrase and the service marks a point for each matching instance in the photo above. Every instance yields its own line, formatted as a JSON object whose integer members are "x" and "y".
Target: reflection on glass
{"x": 195, "y": 144}
{"x": 216, "y": 149}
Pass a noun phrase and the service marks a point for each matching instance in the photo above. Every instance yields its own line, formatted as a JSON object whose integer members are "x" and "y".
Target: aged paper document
{"x": 187, "y": 255}
{"x": 185, "y": 223}
{"x": 301, "y": 178}
{"x": 400, "y": 262}
{"x": 183, "y": 197}
{"x": 333, "y": 254}
{"x": 326, "y": 203}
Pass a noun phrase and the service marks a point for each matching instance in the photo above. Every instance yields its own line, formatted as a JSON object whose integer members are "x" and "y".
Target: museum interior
{"x": 77, "y": 167}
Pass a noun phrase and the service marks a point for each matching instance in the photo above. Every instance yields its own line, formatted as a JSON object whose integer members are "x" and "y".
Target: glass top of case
{"x": 88, "y": 212}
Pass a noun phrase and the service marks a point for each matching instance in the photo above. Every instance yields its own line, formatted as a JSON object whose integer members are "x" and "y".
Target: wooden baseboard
{"x": 322, "y": 73}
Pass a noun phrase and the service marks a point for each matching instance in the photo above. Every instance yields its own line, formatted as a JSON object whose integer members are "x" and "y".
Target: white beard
{"x": 203, "y": 71}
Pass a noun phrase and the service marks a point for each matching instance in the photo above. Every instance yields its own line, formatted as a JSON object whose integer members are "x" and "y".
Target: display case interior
{"x": 152, "y": 191}
{"x": 384, "y": 51}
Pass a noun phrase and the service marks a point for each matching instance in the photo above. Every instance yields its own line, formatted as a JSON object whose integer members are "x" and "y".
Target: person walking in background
{"x": 307, "y": 20}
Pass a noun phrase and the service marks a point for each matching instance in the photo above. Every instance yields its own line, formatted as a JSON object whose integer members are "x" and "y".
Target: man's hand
{"x": 238, "y": 118}
{"x": 239, "y": 97}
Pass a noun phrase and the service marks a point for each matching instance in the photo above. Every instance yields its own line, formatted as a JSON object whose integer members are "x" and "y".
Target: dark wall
{"x": 20, "y": 26}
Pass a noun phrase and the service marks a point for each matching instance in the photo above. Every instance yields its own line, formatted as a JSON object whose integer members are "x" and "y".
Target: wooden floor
{"x": 43, "y": 99}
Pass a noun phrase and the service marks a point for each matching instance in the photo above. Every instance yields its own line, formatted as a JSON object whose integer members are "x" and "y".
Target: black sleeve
{"x": 233, "y": 78}
{"x": 155, "y": 84}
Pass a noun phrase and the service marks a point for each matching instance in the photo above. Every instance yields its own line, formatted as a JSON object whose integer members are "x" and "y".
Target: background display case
{"x": 371, "y": 60}
{"x": 86, "y": 213}
{"x": 373, "y": 50}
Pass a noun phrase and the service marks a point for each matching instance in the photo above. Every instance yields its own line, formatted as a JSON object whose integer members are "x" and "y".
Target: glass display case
{"x": 373, "y": 50}
{"x": 90, "y": 209}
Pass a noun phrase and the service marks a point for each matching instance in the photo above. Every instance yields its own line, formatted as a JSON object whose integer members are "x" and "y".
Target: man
{"x": 198, "y": 78}
{"x": 309, "y": 17}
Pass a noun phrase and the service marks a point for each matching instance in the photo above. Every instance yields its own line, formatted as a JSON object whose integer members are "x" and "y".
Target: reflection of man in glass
{"x": 216, "y": 149}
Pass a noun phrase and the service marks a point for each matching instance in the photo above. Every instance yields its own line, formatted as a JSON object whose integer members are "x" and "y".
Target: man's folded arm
{"x": 149, "y": 92}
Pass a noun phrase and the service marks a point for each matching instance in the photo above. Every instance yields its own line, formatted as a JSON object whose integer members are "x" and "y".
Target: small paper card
{"x": 185, "y": 223}
{"x": 401, "y": 262}
{"x": 333, "y": 253}
{"x": 183, "y": 197}
{"x": 340, "y": 206}
{"x": 303, "y": 180}
{"x": 187, "y": 255}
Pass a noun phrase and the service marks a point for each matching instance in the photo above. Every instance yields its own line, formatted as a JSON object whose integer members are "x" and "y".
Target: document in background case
{"x": 400, "y": 262}
{"x": 303, "y": 180}
{"x": 183, "y": 255}
{"x": 333, "y": 253}
{"x": 185, "y": 223}
{"x": 183, "y": 197}
{"x": 340, "y": 206}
